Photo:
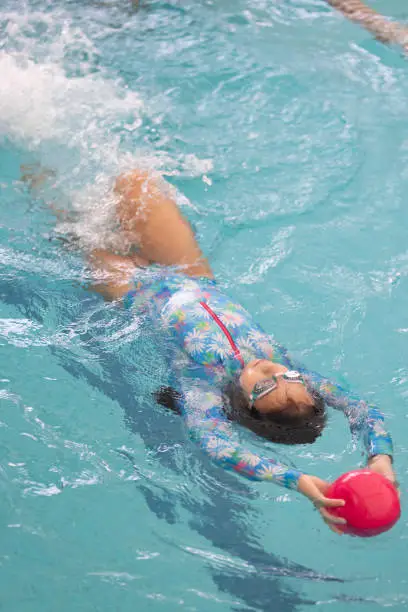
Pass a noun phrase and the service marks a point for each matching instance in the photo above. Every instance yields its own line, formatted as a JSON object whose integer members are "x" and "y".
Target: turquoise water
{"x": 285, "y": 127}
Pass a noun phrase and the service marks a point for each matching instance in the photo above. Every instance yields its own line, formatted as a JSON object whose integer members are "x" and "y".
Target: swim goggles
{"x": 264, "y": 387}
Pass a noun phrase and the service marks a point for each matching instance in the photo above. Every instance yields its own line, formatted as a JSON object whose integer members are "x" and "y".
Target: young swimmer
{"x": 226, "y": 369}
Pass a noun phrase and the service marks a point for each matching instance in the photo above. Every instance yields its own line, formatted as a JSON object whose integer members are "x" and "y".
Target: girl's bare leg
{"x": 151, "y": 220}
{"x": 112, "y": 274}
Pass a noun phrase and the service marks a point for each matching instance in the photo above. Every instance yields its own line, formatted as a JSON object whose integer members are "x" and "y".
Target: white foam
{"x": 39, "y": 102}
{"x": 75, "y": 124}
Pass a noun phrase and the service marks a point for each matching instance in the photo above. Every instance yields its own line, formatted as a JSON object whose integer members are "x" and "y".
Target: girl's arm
{"x": 207, "y": 424}
{"x": 364, "y": 418}
{"x": 201, "y": 407}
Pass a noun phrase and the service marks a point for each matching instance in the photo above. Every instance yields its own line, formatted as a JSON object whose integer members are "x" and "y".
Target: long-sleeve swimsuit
{"x": 213, "y": 337}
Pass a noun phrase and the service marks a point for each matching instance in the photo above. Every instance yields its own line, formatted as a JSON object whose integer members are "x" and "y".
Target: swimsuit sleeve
{"x": 209, "y": 427}
{"x": 365, "y": 419}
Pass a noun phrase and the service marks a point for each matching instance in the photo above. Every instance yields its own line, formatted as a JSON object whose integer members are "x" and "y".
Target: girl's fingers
{"x": 333, "y": 503}
{"x": 334, "y": 529}
{"x": 330, "y": 518}
{"x": 326, "y": 502}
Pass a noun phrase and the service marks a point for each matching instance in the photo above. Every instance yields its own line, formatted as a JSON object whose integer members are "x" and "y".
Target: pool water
{"x": 285, "y": 128}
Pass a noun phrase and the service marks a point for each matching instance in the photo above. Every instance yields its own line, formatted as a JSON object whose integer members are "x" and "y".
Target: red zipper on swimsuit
{"x": 237, "y": 352}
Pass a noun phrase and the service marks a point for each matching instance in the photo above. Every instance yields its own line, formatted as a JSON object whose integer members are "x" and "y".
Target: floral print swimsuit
{"x": 213, "y": 338}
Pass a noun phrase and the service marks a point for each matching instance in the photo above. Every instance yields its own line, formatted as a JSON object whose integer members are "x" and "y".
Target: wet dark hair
{"x": 275, "y": 427}
{"x": 168, "y": 397}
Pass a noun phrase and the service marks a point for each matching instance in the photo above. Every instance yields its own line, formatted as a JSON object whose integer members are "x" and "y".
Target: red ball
{"x": 372, "y": 503}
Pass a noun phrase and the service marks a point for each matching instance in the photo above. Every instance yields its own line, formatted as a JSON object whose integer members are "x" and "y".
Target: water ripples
{"x": 289, "y": 142}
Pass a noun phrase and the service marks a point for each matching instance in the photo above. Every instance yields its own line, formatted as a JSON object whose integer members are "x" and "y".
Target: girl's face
{"x": 288, "y": 398}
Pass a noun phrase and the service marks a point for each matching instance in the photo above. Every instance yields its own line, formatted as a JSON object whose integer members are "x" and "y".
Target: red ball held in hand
{"x": 372, "y": 503}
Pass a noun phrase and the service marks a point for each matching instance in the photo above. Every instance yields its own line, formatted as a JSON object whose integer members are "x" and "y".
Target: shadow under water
{"x": 220, "y": 517}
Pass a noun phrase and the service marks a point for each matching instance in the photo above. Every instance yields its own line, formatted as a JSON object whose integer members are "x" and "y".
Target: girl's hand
{"x": 315, "y": 489}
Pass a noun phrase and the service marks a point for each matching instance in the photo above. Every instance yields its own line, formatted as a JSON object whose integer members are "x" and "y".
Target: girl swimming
{"x": 226, "y": 369}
